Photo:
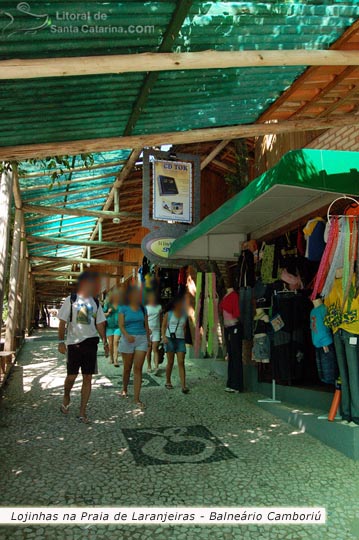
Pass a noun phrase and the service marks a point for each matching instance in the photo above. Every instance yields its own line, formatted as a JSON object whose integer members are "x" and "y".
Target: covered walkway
{"x": 207, "y": 449}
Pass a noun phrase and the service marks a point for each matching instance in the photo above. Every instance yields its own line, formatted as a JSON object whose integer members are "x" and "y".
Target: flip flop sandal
{"x": 123, "y": 395}
{"x": 185, "y": 390}
{"x": 116, "y": 365}
{"x": 140, "y": 405}
{"x": 169, "y": 386}
{"x": 83, "y": 420}
{"x": 65, "y": 409}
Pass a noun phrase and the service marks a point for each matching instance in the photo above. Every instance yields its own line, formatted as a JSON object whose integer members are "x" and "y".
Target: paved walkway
{"x": 130, "y": 458}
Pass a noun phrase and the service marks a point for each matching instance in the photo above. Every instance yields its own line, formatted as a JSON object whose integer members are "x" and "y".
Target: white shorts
{"x": 140, "y": 344}
{"x": 156, "y": 335}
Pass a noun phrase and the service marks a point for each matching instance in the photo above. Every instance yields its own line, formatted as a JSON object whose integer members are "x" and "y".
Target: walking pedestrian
{"x": 173, "y": 335}
{"x": 112, "y": 308}
{"x": 135, "y": 339}
{"x": 82, "y": 318}
{"x": 154, "y": 310}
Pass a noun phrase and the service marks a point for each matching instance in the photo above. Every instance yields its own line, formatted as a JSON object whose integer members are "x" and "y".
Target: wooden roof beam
{"x": 53, "y": 210}
{"x": 83, "y": 260}
{"x": 216, "y": 150}
{"x": 68, "y": 242}
{"x": 168, "y": 61}
{"x": 177, "y": 137}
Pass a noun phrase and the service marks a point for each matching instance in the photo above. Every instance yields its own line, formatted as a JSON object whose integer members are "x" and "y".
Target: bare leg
{"x": 149, "y": 356}
{"x": 138, "y": 362}
{"x": 127, "y": 366}
{"x": 169, "y": 367}
{"x": 155, "y": 353}
{"x": 85, "y": 393}
{"x": 69, "y": 382}
{"x": 181, "y": 369}
{"x": 110, "y": 345}
{"x": 116, "y": 340}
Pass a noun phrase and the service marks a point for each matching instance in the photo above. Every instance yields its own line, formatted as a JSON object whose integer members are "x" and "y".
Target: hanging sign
{"x": 160, "y": 246}
{"x": 172, "y": 191}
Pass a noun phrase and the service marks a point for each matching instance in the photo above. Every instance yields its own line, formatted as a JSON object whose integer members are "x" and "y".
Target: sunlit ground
{"x": 207, "y": 448}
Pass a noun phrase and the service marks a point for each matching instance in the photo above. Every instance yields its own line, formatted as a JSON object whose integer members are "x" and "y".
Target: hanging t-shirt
{"x": 134, "y": 321}
{"x": 346, "y": 317}
{"x": 321, "y": 334}
{"x": 314, "y": 235}
{"x": 85, "y": 316}
{"x": 154, "y": 317}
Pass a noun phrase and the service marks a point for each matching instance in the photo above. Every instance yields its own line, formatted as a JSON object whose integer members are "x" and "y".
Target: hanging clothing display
{"x": 288, "y": 343}
{"x": 261, "y": 351}
{"x": 322, "y": 339}
{"x": 314, "y": 237}
{"x": 229, "y": 307}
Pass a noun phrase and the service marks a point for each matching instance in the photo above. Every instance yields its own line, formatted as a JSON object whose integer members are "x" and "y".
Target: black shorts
{"x": 82, "y": 355}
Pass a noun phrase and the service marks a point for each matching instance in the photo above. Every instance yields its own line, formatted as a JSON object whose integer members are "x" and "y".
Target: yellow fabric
{"x": 310, "y": 226}
{"x": 351, "y": 308}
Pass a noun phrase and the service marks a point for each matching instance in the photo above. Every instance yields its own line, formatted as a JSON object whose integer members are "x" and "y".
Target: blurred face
{"x": 117, "y": 297}
{"x": 134, "y": 297}
{"x": 88, "y": 288}
{"x": 179, "y": 306}
{"x": 151, "y": 299}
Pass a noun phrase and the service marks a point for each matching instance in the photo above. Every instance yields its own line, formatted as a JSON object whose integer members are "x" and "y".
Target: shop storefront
{"x": 289, "y": 243}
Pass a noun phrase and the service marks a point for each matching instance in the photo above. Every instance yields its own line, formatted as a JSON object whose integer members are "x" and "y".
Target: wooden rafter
{"x": 171, "y": 33}
{"x": 216, "y": 150}
{"x": 176, "y": 137}
{"x": 81, "y": 260}
{"x": 340, "y": 44}
{"x": 68, "y": 242}
{"x": 52, "y": 210}
{"x": 167, "y": 61}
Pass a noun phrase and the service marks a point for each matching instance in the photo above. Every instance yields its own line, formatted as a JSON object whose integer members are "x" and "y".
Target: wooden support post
{"x": 100, "y": 230}
{"x": 6, "y": 182}
{"x": 13, "y": 283}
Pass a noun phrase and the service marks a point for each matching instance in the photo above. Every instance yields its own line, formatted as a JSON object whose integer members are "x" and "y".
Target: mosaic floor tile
{"x": 169, "y": 445}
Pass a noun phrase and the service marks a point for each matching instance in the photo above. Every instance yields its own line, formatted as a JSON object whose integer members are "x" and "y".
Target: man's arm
{"x": 62, "y": 345}
{"x": 101, "y": 328}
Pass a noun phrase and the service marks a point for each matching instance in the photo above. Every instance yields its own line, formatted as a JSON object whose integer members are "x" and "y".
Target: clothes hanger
{"x": 342, "y": 197}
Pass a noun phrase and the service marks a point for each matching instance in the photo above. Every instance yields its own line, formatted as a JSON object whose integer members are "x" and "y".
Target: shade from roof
{"x": 88, "y": 107}
{"x": 303, "y": 181}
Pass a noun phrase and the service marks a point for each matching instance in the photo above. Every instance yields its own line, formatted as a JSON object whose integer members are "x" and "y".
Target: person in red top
{"x": 233, "y": 336}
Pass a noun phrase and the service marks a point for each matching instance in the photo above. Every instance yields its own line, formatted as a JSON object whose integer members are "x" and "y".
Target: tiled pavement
{"x": 207, "y": 448}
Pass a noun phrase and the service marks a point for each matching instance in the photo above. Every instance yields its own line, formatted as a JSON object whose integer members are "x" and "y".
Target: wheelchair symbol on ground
{"x": 169, "y": 445}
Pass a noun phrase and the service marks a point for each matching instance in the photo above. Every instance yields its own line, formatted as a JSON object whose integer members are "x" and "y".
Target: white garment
{"x": 154, "y": 317}
{"x": 175, "y": 325}
{"x": 85, "y": 316}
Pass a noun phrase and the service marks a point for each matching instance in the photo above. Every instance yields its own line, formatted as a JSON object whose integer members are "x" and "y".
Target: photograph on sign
{"x": 172, "y": 191}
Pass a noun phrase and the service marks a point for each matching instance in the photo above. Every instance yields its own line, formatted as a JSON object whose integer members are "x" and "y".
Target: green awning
{"x": 302, "y": 182}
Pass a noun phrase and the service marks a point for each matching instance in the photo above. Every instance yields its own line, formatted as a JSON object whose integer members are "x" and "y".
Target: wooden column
{"x": 13, "y": 283}
{"x": 6, "y": 182}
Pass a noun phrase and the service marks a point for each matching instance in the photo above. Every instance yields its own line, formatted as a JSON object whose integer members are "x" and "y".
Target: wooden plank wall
{"x": 270, "y": 148}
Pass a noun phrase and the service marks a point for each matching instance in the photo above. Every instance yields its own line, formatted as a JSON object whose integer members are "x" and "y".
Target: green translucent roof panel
{"x": 61, "y": 28}
{"x": 314, "y": 172}
{"x": 88, "y": 107}
{"x": 75, "y": 189}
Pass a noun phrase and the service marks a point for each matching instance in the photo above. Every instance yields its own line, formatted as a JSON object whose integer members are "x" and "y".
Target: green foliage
{"x": 58, "y": 166}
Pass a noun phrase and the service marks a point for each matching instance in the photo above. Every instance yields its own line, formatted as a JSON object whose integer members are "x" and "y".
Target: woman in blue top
{"x": 112, "y": 308}
{"x": 135, "y": 340}
{"x": 173, "y": 337}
